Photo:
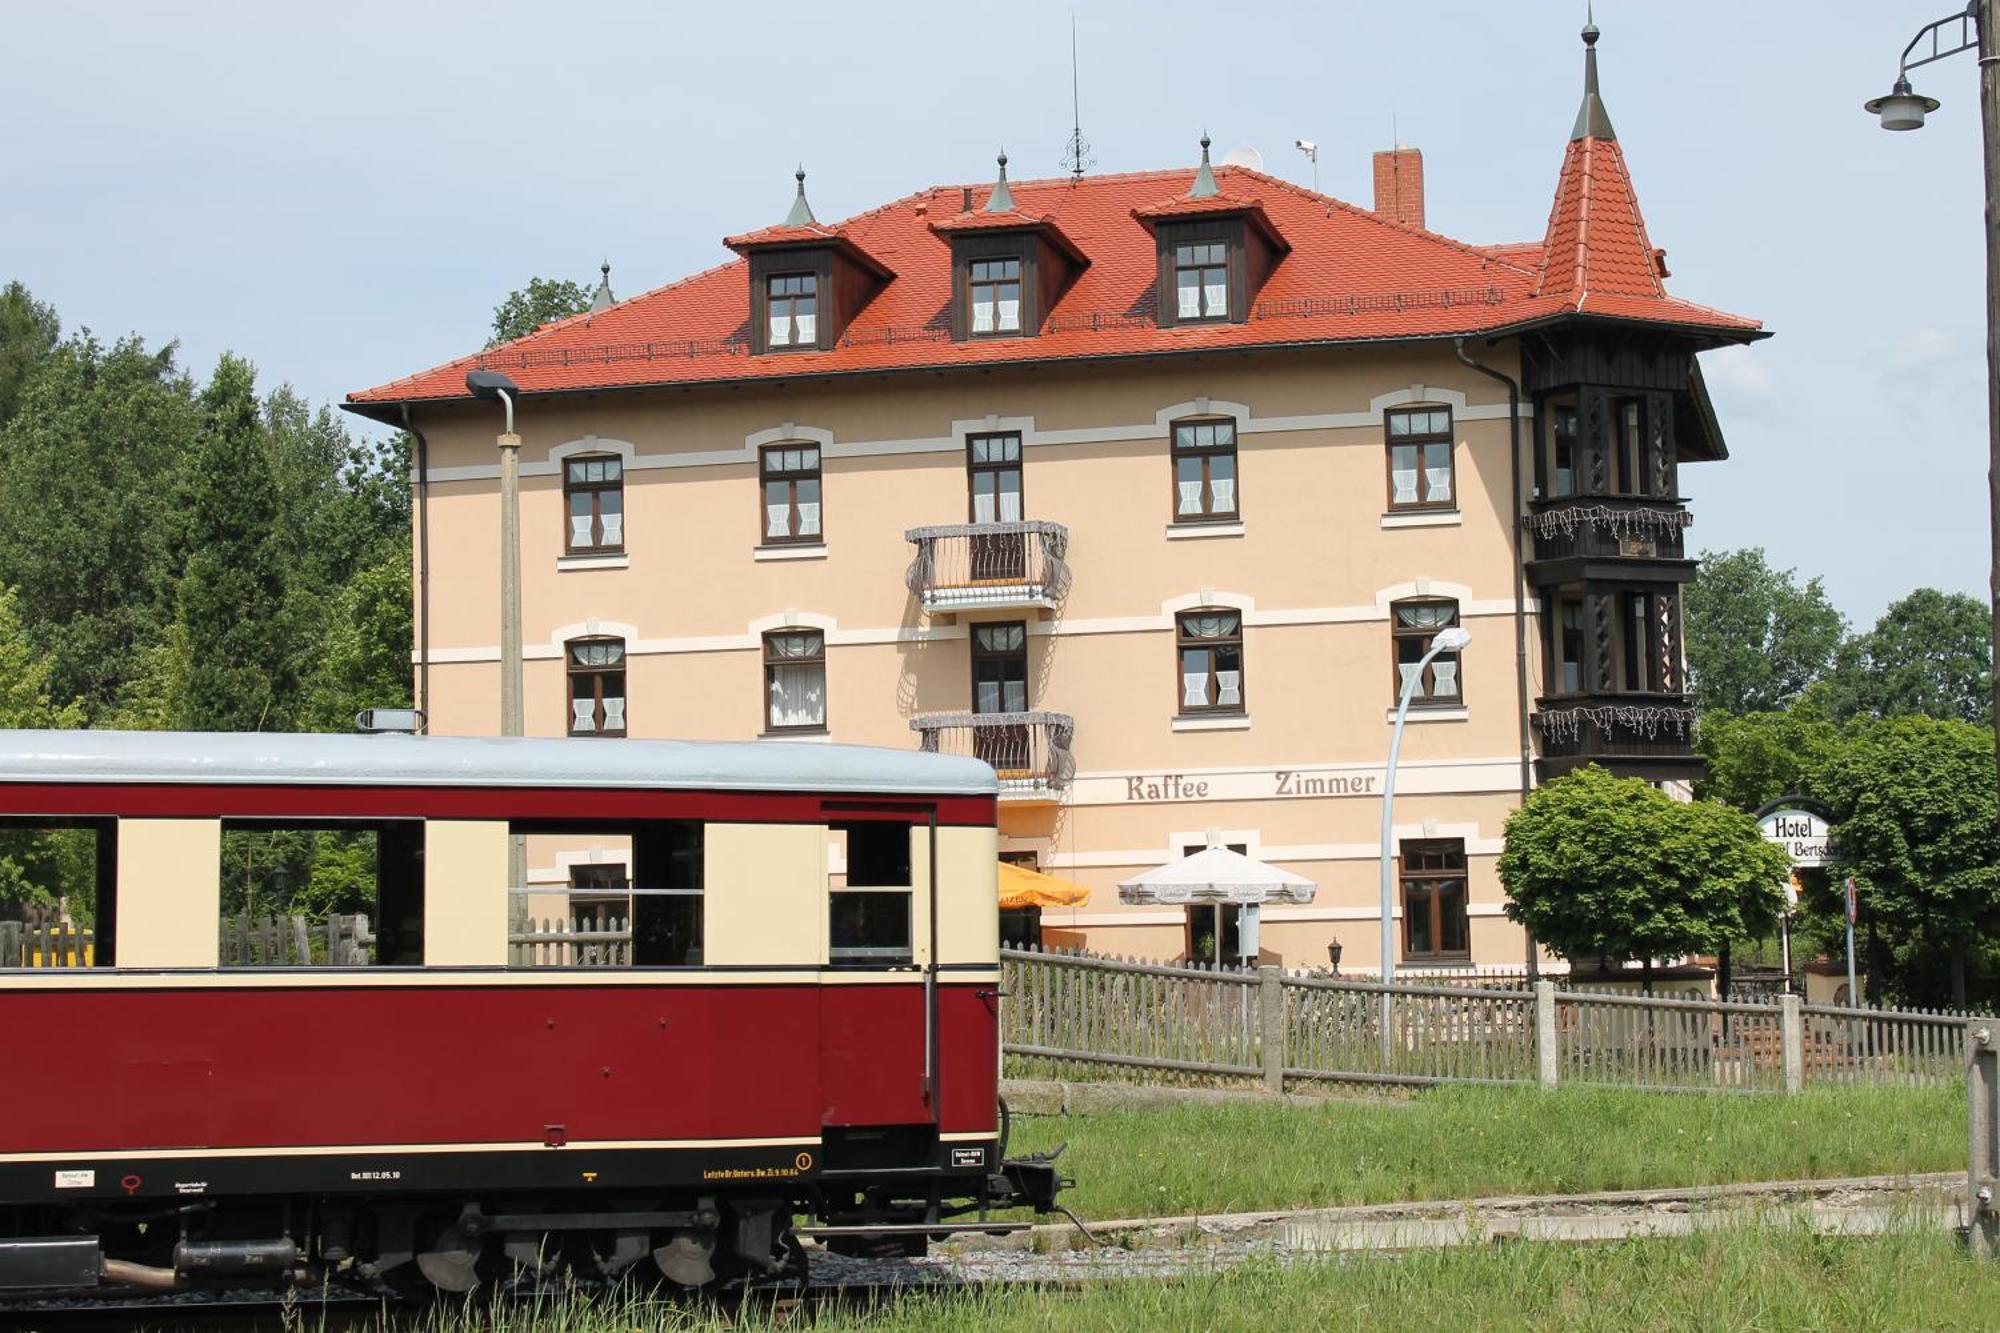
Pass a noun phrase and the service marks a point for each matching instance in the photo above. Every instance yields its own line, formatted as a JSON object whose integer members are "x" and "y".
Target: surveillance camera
{"x": 1305, "y": 145}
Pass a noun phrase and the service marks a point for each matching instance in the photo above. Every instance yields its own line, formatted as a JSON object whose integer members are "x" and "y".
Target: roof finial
{"x": 1002, "y": 198}
{"x": 1592, "y": 120}
{"x": 801, "y": 214}
{"x": 1204, "y": 179}
{"x": 602, "y": 299}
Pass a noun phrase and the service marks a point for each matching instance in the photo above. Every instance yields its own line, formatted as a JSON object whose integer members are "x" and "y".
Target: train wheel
{"x": 452, "y": 1262}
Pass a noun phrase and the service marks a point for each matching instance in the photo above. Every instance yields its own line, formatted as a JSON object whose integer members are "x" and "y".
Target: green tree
{"x": 1930, "y": 654}
{"x": 1754, "y": 758}
{"x": 1606, "y": 868}
{"x": 1756, "y": 636}
{"x": 88, "y": 534}
{"x": 29, "y": 331}
{"x": 36, "y": 866}
{"x": 1914, "y": 818}
{"x": 542, "y": 300}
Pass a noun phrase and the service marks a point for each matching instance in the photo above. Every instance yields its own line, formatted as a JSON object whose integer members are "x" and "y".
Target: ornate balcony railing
{"x": 1613, "y": 527}
{"x": 1616, "y": 727}
{"x": 1029, "y": 751}
{"x": 961, "y": 566}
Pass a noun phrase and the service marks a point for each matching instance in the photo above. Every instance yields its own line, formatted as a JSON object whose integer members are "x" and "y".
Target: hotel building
{"x": 1150, "y": 489}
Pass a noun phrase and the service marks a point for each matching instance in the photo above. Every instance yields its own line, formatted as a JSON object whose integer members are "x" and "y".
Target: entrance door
{"x": 1000, "y": 685}
{"x": 993, "y": 484}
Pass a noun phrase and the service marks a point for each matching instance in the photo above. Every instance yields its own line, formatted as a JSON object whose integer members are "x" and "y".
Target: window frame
{"x": 1177, "y": 265}
{"x": 880, "y": 889}
{"x": 790, "y": 478}
{"x": 1183, "y": 642}
{"x": 1435, "y": 875}
{"x": 596, "y": 674}
{"x": 1559, "y": 643}
{"x": 1421, "y": 442}
{"x": 771, "y": 666}
{"x": 1425, "y": 697}
{"x": 595, "y": 490}
{"x": 974, "y": 284}
{"x": 772, "y": 297}
{"x": 1206, "y": 454}
{"x": 975, "y": 468}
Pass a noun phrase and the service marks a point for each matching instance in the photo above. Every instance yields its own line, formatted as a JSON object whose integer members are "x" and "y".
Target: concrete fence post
{"x": 1982, "y": 1138}
{"x": 1548, "y": 1058}
{"x": 1271, "y": 1034}
{"x": 1792, "y": 1040}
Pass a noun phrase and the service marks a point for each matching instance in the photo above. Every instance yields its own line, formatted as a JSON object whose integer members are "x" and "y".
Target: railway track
{"x": 1055, "y": 1256}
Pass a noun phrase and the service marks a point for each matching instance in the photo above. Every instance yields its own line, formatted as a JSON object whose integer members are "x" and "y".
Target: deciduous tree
{"x": 1602, "y": 867}
{"x": 1756, "y": 636}
{"x": 1930, "y": 654}
{"x": 542, "y": 300}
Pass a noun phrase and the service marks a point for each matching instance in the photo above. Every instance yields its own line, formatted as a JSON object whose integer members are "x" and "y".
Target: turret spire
{"x": 1002, "y": 198}
{"x": 1592, "y": 120}
{"x": 1204, "y": 180}
{"x": 801, "y": 214}
{"x": 602, "y": 299}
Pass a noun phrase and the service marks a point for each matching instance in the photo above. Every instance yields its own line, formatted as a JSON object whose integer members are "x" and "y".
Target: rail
{"x": 1029, "y": 751}
{"x": 989, "y": 565}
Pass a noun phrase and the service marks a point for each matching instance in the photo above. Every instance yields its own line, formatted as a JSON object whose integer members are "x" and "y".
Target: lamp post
{"x": 492, "y": 384}
{"x": 1903, "y": 108}
{"x": 1449, "y": 640}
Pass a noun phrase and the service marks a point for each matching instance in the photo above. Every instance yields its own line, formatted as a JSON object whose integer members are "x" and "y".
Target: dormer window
{"x": 792, "y": 309}
{"x": 994, "y": 291}
{"x": 1201, "y": 281}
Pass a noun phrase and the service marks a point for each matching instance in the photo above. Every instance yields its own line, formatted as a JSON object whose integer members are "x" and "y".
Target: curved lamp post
{"x": 491, "y": 384}
{"x": 1448, "y": 640}
{"x": 1903, "y": 108}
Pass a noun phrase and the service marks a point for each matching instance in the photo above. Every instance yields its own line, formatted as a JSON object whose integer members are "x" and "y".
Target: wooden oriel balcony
{"x": 989, "y": 566}
{"x": 1608, "y": 536}
{"x": 1634, "y": 734}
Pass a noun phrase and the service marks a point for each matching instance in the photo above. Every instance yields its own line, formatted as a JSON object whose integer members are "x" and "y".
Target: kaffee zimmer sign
{"x": 1266, "y": 784}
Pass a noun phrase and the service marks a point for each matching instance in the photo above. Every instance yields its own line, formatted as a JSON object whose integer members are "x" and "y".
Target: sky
{"x": 343, "y": 192}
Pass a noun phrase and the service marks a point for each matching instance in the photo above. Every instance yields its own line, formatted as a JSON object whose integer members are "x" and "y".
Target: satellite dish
{"x": 1244, "y": 157}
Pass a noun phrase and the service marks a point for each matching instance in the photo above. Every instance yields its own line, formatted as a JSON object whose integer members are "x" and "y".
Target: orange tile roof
{"x": 1349, "y": 276}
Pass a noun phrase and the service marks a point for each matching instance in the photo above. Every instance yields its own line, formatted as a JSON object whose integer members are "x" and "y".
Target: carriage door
{"x": 993, "y": 481}
{"x": 1000, "y": 692}
{"x": 878, "y": 1058}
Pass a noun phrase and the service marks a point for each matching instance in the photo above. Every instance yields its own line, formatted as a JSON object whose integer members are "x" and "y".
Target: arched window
{"x": 1412, "y": 627}
{"x": 596, "y": 686}
{"x": 795, "y": 680}
{"x": 1210, "y": 649}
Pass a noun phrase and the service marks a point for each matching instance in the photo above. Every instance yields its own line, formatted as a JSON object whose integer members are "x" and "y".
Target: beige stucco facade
{"x": 1312, "y": 568}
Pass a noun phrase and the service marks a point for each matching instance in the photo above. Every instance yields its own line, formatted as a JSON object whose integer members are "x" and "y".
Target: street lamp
{"x": 491, "y": 384}
{"x": 1449, "y": 640}
{"x": 1333, "y": 955}
{"x": 1904, "y": 109}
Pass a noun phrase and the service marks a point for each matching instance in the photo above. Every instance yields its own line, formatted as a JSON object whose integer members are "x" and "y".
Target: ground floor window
{"x": 1435, "y": 928}
{"x": 1020, "y": 927}
{"x": 1214, "y": 932}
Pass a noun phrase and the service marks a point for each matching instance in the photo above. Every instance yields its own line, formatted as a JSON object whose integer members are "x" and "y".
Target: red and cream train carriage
{"x": 782, "y": 1041}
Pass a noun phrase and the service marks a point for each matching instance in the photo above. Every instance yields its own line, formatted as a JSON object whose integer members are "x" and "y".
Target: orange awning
{"x": 1021, "y": 887}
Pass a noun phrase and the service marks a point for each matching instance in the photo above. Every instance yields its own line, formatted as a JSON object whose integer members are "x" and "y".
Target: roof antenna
{"x": 1076, "y": 154}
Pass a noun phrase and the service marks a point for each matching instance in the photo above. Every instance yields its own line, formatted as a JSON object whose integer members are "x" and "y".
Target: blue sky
{"x": 342, "y": 193}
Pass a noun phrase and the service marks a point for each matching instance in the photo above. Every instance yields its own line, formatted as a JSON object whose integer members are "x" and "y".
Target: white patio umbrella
{"x": 1217, "y": 875}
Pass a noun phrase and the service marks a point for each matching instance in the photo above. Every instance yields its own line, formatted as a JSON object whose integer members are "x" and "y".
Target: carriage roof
{"x": 258, "y": 758}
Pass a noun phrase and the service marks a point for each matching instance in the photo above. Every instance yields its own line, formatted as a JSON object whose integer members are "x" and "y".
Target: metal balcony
{"x": 1634, "y": 735}
{"x": 1029, "y": 751}
{"x": 1608, "y": 536}
{"x": 989, "y": 566}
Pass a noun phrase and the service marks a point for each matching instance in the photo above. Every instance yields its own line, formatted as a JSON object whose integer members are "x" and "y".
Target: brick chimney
{"x": 1399, "y": 185}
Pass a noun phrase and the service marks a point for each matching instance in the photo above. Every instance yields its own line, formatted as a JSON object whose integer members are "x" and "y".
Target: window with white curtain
{"x": 790, "y": 494}
{"x": 1210, "y": 644}
{"x": 1204, "y": 457}
{"x": 993, "y": 287}
{"x": 596, "y": 686}
{"x": 1413, "y": 625}
{"x": 795, "y": 680}
{"x": 594, "y": 494}
{"x": 1201, "y": 281}
{"x": 1420, "y": 458}
{"x": 791, "y": 305}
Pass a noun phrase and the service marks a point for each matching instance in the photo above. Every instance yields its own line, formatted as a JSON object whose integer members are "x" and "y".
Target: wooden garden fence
{"x": 1065, "y": 1013}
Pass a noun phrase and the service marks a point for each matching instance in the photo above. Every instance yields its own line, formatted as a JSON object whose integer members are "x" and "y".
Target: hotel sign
{"x": 1805, "y": 836}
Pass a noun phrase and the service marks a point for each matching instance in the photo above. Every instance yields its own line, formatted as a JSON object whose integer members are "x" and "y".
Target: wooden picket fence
{"x": 1071, "y": 1014}
{"x": 339, "y": 940}
{"x": 570, "y": 942}
{"x": 45, "y": 940}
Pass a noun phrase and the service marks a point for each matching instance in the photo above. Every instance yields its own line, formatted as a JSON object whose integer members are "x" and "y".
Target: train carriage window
{"x": 649, "y": 915}
{"x": 57, "y": 893}
{"x": 321, "y": 894}
{"x": 869, "y": 908}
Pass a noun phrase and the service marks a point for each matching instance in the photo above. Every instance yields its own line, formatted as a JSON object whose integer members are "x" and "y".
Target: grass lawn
{"x": 1463, "y": 1142}
{"x": 1748, "y": 1279}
